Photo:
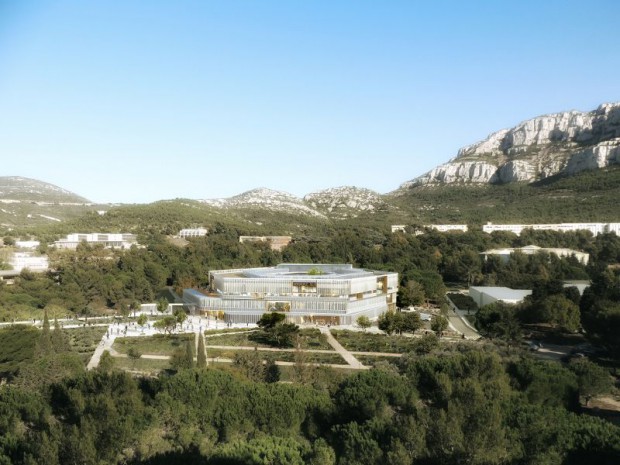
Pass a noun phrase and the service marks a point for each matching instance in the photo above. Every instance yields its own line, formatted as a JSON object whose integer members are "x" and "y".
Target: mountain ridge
{"x": 535, "y": 149}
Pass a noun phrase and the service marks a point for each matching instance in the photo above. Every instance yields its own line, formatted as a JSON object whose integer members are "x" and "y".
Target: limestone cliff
{"x": 560, "y": 143}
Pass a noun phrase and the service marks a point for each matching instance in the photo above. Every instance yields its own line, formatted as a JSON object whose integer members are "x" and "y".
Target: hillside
{"x": 29, "y": 202}
{"x": 19, "y": 189}
{"x": 557, "y": 144}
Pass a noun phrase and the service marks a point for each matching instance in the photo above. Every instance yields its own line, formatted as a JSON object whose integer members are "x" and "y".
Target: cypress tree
{"x": 59, "y": 340}
{"x": 201, "y": 356}
{"x": 44, "y": 345}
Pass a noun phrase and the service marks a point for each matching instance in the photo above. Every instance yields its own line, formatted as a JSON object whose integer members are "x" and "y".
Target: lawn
{"x": 145, "y": 365}
{"x": 311, "y": 338}
{"x": 283, "y": 356}
{"x": 356, "y": 341}
{"x": 159, "y": 344}
{"x": 371, "y": 360}
{"x": 84, "y": 341}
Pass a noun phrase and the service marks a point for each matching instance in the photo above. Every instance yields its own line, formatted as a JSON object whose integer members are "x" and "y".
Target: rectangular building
{"x": 305, "y": 293}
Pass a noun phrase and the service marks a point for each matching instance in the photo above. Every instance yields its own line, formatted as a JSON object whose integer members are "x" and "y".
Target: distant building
{"x": 437, "y": 227}
{"x": 113, "y": 240}
{"x": 27, "y": 244}
{"x": 485, "y": 295}
{"x": 34, "y": 263}
{"x": 275, "y": 242}
{"x": 594, "y": 228}
{"x": 193, "y": 232}
{"x": 305, "y": 293}
{"x": 505, "y": 253}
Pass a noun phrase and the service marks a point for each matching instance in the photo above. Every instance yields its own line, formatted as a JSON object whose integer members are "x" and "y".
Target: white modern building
{"x": 594, "y": 228}
{"x": 485, "y": 295}
{"x": 116, "y": 240}
{"x": 27, "y": 260}
{"x": 505, "y": 253}
{"x": 437, "y": 227}
{"x": 27, "y": 244}
{"x": 193, "y": 232}
{"x": 305, "y": 293}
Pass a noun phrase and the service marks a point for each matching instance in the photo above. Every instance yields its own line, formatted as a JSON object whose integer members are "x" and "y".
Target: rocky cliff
{"x": 560, "y": 143}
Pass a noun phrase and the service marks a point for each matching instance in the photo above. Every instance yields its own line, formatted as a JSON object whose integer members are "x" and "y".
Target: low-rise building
{"x": 594, "y": 228}
{"x": 27, "y": 244}
{"x": 305, "y": 293}
{"x": 505, "y": 253}
{"x": 436, "y": 227}
{"x": 108, "y": 240}
{"x": 275, "y": 242}
{"x": 485, "y": 295}
{"x": 27, "y": 260}
{"x": 193, "y": 232}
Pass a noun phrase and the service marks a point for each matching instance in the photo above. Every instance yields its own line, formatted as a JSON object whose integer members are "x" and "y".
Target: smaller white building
{"x": 27, "y": 244}
{"x": 594, "y": 228}
{"x": 108, "y": 240}
{"x": 193, "y": 232}
{"x": 485, "y": 295}
{"x": 27, "y": 260}
{"x": 436, "y": 227}
{"x": 505, "y": 253}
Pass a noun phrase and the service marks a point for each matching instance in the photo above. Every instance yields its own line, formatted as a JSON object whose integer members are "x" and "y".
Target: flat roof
{"x": 503, "y": 293}
{"x": 302, "y": 271}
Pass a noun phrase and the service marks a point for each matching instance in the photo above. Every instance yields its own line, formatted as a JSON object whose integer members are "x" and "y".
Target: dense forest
{"x": 455, "y": 404}
{"x": 483, "y": 403}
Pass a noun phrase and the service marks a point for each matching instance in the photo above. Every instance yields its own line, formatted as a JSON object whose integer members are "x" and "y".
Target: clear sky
{"x": 135, "y": 101}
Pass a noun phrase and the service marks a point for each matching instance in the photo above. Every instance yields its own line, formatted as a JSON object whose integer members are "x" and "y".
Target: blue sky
{"x": 136, "y": 101}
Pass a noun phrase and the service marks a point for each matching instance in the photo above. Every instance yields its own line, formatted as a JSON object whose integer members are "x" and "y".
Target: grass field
{"x": 355, "y": 341}
{"x": 310, "y": 338}
{"x": 158, "y": 344}
{"x": 283, "y": 356}
{"x": 371, "y": 360}
{"x": 84, "y": 341}
{"x": 143, "y": 364}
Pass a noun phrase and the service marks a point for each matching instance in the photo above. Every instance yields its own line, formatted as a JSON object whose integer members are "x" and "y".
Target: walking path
{"x": 344, "y": 353}
{"x": 458, "y": 322}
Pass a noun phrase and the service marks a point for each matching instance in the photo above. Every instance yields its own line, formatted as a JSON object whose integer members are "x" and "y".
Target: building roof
{"x": 503, "y": 293}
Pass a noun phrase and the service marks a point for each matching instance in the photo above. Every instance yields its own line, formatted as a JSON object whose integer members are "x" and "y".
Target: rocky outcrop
{"x": 268, "y": 199}
{"x": 346, "y": 201}
{"x": 560, "y": 143}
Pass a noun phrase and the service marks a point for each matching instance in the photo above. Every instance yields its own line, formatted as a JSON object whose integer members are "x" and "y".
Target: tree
{"x": 251, "y": 364}
{"x": 180, "y": 316}
{"x": 499, "y": 320}
{"x": 183, "y": 358}
{"x": 142, "y": 319}
{"x": 276, "y": 331}
{"x": 439, "y": 324}
{"x": 167, "y": 324}
{"x": 270, "y": 320}
{"x": 561, "y": 312}
{"x": 60, "y": 342}
{"x": 134, "y": 306}
{"x": 411, "y": 322}
{"x": 106, "y": 362}
{"x": 390, "y": 322}
{"x": 201, "y": 356}
{"x": 162, "y": 305}
{"x": 411, "y": 294}
{"x": 363, "y": 322}
{"x": 134, "y": 355}
{"x": 591, "y": 378}
{"x": 44, "y": 345}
